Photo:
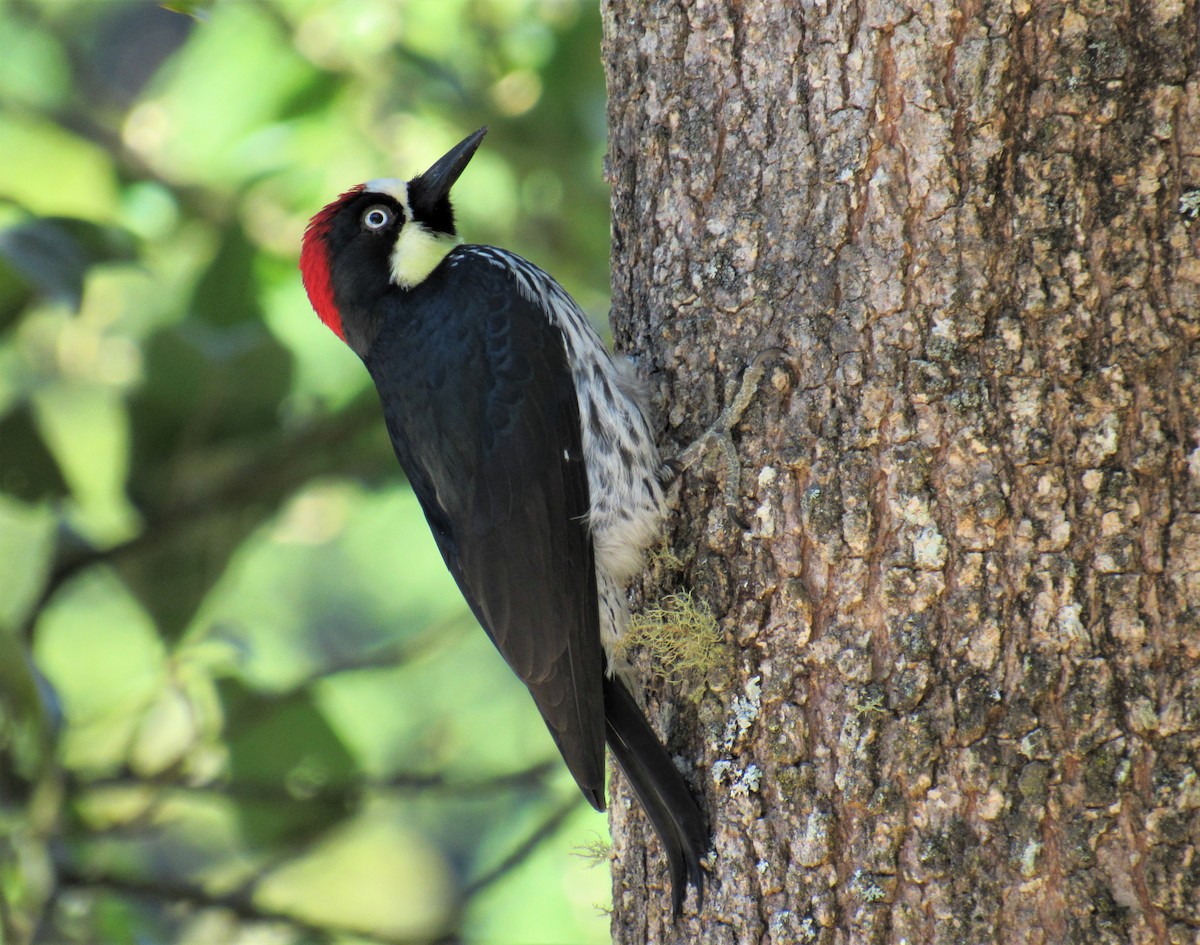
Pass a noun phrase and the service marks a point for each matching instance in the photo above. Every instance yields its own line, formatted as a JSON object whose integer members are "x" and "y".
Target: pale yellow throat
{"x": 417, "y": 253}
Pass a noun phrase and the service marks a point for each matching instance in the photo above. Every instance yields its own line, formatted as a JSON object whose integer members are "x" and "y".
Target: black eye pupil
{"x": 376, "y": 218}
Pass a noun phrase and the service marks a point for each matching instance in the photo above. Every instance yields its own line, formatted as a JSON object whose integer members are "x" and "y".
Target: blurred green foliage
{"x": 240, "y": 698}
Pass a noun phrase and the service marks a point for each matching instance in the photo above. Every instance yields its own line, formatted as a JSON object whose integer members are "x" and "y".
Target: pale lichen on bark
{"x": 970, "y": 586}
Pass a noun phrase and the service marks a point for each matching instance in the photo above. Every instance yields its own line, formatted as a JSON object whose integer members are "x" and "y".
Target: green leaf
{"x": 27, "y": 542}
{"x": 224, "y": 89}
{"x": 29, "y": 470}
{"x": 86, "y": 428}
{"x": 228, "y": 292}
{"x": 373, "y": 874}
{"x": 102, "y": 654}
{"x": 48, "y": 170}
{"x": 29, "y": 711}
{"x": 196, "y": 9}
{"x": 15, "y": 294}
{"x": 204, "y": 387}
{"x": 186, "y": 554}
{"x": 289, "y": 771}
{"x": 34, "y": 70}
{"x": 206, "y": 413}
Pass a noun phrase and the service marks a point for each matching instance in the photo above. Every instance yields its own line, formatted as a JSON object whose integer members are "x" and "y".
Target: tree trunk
{"x": 964, "y": 700}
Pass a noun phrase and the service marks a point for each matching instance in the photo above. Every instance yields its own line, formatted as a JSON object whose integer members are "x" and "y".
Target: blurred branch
{"x": 541, "y": 833}
{"x": 394, "y": 654}
{"x": 240, "y": 902}
{"x": 269, "y": 475}
{"x": 344, "y": 796}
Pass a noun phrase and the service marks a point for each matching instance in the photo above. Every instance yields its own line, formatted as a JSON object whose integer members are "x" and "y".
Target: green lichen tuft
{"x": 593, "y": 852}
{"x": 679, "y": 635}
{"x": 663, "y": 557}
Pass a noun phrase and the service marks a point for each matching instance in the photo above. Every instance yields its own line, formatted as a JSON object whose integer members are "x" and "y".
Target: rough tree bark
{"x": 964, "y": 704}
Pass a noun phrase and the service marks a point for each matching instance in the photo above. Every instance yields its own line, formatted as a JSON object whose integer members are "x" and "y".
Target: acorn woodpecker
{"x": 529, "y": 449}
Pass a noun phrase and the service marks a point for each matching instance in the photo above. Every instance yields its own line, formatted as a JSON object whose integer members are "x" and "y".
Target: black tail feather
{"x": 660, "y": 788}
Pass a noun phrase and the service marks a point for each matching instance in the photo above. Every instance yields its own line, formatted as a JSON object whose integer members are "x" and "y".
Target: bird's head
{"x": 379, "y": 234}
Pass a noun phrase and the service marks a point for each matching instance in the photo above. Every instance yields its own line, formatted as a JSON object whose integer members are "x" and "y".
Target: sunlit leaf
{"x": 372, "y": 875}
{"x": 167, "y": 730}
{"x": 195, "y": 8}
{"x": 86, "y": 429}
{"x": 27, "y": 539}
{"x": 211, "y": 118}
{"x": 52, "y": 172}
{"x": 33, "y": 70}
{"x": 103, "y": 656}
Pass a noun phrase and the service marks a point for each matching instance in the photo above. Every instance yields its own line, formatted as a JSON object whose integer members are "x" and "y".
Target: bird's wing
{"x": 482, "y": 411}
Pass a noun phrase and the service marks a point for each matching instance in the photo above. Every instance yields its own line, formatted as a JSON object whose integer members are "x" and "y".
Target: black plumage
{"x": 481, "y": 410}
{"x": 530, "y": 455}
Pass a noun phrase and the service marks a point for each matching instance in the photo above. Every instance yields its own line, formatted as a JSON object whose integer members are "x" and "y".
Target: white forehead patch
{"x": 396, "y": 189}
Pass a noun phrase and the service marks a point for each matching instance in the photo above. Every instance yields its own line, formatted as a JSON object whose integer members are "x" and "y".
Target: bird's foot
{"x": 720, "y": 434}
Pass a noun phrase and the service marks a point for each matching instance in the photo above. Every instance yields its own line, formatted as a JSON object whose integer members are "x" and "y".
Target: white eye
{"x": 377, "y": 217}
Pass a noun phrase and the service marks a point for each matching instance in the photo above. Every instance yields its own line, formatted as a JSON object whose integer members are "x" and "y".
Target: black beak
{"x": 432, "y": 187}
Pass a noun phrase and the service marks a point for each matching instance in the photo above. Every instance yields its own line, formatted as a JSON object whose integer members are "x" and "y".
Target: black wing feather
{"x": 481, "y": 408}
